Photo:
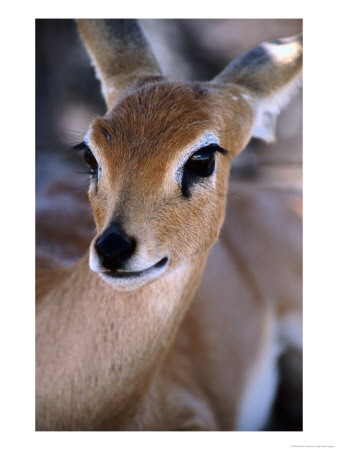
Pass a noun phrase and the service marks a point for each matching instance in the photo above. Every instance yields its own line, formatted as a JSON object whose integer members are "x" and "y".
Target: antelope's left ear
{"x": 268, "y": 76}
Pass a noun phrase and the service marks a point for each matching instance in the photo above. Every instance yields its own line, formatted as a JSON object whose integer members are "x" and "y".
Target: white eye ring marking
{"x": 207, "y": 139}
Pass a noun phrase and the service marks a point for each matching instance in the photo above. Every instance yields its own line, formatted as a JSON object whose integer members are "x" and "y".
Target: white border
{"x": 320, "y": 230}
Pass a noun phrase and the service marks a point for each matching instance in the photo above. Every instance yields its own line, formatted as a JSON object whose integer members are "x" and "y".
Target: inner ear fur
{"x": 268, "y": 76}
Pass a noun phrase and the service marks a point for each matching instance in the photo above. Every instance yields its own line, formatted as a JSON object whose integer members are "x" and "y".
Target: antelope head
{"x": 160, "y": 157}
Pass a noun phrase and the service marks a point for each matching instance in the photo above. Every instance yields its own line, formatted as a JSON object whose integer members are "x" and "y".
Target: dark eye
{"x": 200, "y": 165}
{"x": 88, "y": 157}
{"x": 90, "y": 160}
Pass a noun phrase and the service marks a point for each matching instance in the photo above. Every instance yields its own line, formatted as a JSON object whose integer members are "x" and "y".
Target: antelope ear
{"x": 268, "y": 76}
{"x": 120, "y": 54}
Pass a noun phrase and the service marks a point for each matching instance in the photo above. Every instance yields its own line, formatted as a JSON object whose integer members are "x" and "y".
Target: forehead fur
{"x": 155, "y": 115}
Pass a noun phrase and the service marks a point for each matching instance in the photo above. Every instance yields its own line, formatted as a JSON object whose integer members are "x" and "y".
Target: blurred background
{"x": 68, "y": 97}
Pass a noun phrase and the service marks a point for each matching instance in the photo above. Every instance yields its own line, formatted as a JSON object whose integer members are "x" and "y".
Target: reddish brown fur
{"x": 147, "y": 131}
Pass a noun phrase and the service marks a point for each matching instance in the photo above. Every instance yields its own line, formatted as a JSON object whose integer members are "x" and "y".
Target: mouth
{"x": 149, "y": 272}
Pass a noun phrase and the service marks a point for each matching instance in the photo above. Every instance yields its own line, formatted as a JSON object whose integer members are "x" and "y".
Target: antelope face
{"x": 160, "y": 158}
{"x": 159, "y": 161}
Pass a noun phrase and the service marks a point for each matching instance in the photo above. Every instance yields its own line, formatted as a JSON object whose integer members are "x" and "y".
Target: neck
{"x": 98, "y": 349}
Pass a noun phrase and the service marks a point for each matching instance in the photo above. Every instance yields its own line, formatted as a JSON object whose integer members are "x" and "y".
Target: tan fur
{"x": 139, "y": 359}
{"x": 121, "y": 55}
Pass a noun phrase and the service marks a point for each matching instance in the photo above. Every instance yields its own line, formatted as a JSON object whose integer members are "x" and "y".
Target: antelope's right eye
{"x": 90, "y": 160}
{"x": 88, "y": 157}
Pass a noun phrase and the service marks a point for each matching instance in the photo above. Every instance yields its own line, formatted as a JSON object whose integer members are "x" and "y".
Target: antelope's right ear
{"x": 268, "y": 76}
{"x": 120, "y": 54}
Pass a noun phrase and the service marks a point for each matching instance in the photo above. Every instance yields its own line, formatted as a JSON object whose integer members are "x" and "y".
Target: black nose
{"x": 114, "y": 248}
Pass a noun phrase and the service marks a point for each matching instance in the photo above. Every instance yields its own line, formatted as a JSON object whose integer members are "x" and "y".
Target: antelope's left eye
{"x": 201, "y": 163}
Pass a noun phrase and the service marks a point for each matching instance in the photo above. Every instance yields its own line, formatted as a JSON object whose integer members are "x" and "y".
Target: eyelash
{"x": 201, "y": 164}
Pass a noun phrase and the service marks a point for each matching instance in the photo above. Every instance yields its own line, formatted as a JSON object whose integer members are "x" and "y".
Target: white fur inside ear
{"x": 267, "y": 110}
{"x": 265, "y": 126}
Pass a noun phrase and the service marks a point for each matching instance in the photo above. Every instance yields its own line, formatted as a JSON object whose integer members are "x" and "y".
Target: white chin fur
{"x": 136, "y": 279}
{"x": 125, "y": 284}
{"x": 133, "y": 282}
